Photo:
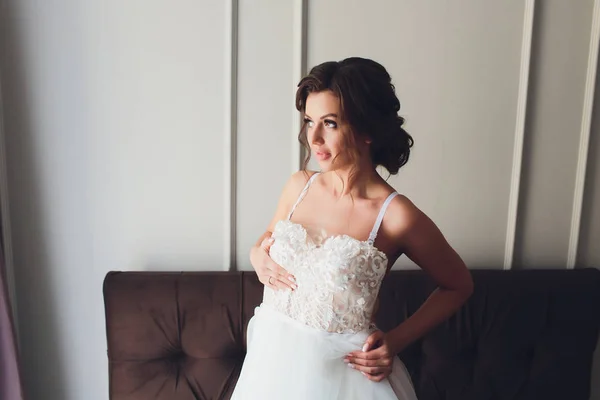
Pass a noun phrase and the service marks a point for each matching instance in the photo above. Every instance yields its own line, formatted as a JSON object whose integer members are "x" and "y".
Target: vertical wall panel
{"x": 584, "y": 137}
{"x": 558, "y": 73}
{"x": 265, "y": 115}
{"x": 517, "y": 166}
{"x": 589, "y": 243}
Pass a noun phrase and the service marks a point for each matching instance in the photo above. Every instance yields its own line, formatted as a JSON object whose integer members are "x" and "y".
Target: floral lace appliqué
{"x": 338, "y": 280}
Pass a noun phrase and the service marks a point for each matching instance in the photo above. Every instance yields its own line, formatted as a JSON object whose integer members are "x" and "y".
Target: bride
{"x": 334, "y": 236}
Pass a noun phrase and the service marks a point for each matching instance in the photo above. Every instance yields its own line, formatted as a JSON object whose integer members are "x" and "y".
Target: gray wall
{"x": 130, "y": 146}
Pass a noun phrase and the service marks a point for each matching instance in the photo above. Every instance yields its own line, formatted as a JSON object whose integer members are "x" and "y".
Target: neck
{"x": 356, "y": 184}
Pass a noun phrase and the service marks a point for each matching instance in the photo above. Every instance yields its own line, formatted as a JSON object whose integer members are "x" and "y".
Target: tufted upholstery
{"x": 522, "y": 335}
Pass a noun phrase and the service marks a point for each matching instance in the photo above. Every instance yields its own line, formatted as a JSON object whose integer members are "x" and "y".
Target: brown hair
{"x": 368, "y": 104}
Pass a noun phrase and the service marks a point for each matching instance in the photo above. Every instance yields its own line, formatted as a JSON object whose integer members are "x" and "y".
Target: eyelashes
{"x": 328, "y": 123}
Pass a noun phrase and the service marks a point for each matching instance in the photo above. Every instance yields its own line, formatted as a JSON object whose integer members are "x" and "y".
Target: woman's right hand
{"x": 269, "y": 272}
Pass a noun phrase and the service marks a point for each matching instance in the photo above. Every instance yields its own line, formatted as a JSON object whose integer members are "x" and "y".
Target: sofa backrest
{"x": 524, "y": 334}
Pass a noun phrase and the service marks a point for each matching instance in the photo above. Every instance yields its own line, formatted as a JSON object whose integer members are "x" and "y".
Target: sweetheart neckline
{"x": 343, "y": 235}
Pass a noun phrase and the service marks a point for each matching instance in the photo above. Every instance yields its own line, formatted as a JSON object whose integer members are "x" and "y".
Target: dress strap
{"x": 384, "y": 207}
{"x": 302, "y": 194}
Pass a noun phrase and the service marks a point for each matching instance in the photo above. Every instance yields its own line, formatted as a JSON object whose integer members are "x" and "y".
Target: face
{"x": 325, "y": 130}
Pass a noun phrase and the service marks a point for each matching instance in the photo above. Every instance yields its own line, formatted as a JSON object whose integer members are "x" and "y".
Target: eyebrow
{"x": 324, "y": 116}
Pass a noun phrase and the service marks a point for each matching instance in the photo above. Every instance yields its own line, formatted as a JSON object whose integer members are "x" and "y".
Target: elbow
{"x": 461, "y": 286}
{"x": 466, "y": 287}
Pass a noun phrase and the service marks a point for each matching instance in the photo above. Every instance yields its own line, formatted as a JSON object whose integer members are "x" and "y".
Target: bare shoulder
{"x": 289, "y": 194}
{"x": 299, "y": 179}
{"x": 296, "y": 183}
{"x": 420, "y": 239}
{"x": 408, "y": 226}
{"x": 401, "y": 215}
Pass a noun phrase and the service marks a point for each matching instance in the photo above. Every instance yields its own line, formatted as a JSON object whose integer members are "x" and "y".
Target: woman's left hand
{"x": 376, "y": 359}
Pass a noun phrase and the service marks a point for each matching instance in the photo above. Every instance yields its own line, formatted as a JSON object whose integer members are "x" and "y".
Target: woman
{"x": 335, "y": 235}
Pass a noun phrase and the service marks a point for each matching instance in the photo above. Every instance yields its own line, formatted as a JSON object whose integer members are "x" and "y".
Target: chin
{"x": 327, "y": 166}
{"x": 324, "y": 167}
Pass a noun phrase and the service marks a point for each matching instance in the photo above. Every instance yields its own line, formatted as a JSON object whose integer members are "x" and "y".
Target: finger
{"x": 277, "y": 284}
{"x": 266, "y": 243}
{"x": 380, "y": 352}
{"x": 369, "y": 370}
{"x": 372, "y": 340}
{"x": 381, "y": 362}
{"x": 279, "y": 273}
{"x": 264, "y": 279}
{"x": 274, "y": 270}
{"x": 279, "y": 270}
{"x": 375, "y": 378}
{"x": 285, "y": 283}
{"x": 269, "y": 281}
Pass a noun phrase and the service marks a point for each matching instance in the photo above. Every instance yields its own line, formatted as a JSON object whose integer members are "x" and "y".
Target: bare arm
{"x": 421, "y": 241}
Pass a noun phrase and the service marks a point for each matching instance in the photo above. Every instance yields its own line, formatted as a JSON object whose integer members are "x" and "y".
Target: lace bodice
{"x": 338, "y": 282}
{"x": 338, "y": 279}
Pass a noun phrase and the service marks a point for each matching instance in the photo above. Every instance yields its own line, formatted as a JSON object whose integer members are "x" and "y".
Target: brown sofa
{"x": 523, "y": 334}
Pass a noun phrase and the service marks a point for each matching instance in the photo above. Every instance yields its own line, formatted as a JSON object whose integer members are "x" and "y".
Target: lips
{"x": 322, "y": 156}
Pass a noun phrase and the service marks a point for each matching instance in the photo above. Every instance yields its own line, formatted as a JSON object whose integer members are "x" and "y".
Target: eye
{"x": 330, "y": 123}
{"x": 308, "y": 122}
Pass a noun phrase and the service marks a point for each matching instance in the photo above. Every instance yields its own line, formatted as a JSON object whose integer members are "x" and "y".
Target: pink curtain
{"x": 10, "y": 380}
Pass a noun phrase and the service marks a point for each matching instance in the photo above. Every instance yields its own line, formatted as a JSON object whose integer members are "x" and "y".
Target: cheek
{"x": 335, "y": 142}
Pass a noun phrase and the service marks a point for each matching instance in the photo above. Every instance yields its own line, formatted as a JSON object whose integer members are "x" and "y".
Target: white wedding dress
{"x": 297, "y": 340}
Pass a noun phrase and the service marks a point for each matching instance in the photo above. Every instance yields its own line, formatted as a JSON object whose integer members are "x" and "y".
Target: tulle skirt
{"x": 289, "y": 360}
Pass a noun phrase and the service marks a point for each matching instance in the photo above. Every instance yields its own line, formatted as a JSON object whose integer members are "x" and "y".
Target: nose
{"x": 316, "y": 135}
